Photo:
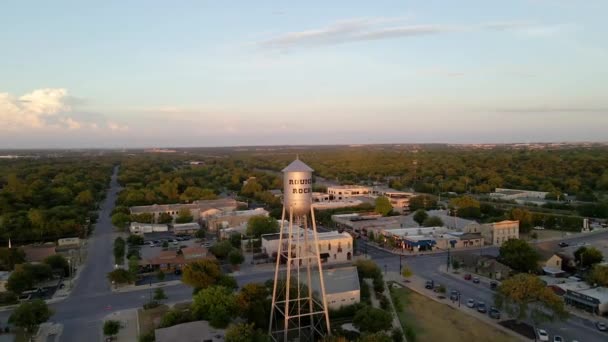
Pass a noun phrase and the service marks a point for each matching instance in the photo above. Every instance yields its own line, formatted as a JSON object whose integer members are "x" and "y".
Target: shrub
{"x": 378, "y": 284}
{"x": 396, "y": 335}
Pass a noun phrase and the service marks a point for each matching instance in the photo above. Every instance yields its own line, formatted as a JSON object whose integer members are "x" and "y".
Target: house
{"x": 37, "y": 253}
{"x": 197, "y": 331}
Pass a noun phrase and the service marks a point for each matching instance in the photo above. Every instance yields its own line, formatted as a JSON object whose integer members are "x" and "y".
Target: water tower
{"x": 298, "y": 313}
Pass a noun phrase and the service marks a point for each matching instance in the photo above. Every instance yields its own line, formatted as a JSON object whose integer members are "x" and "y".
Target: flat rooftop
{"x": 337, "y": 280}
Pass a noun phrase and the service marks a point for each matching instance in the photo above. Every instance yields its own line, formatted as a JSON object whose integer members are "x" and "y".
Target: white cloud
{"x": 353, "y": 30}
{"x": 113, "y": 126}
{"x": 47, "y": 109}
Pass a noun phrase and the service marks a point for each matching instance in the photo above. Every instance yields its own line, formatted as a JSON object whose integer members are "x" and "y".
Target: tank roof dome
{"x": 297, "y": 166}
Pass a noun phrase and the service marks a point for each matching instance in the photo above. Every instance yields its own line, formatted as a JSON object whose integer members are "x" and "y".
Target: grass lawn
{"x": 434, "y": 321}
{"x": 150, "y": 319}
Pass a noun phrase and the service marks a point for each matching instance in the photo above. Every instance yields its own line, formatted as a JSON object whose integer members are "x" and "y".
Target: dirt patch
{"x": 432, "y": 321}
{"x": 150, "y": 319}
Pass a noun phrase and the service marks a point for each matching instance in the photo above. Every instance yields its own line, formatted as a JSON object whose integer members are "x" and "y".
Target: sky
{"x": 224, "y": 73}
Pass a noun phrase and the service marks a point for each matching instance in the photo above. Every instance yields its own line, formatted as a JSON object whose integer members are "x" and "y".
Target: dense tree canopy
{"x": 519, "y": 255}
{"x": 588, "y": 256}
{"x": 373, "y": 320}
{"x": 383, "y": 206}
{"x": 201, "y": 274}
{"x": 30, "y": 314}
{"x": 258, "y": 225}
{"x": 216, "y": 304}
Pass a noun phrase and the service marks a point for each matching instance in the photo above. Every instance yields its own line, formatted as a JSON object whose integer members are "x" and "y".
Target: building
{"x": 73, "y": 242}
{"x": 228, "y": 219}
{"x": 198, "y": 209}
{"x": 185, "y": 228}
{"x": 334, "y": 247}
{"x": 37, "y": 253}
{"x": 340, "y": 192}
{"x": 198, "y": 331}
{"x": 497, "y": 233}
{"x": 400, "y": 201}
{"x": 429, "y": 238}
{"x": 175, "y": 259}
{"x": 513, "y": 194}
{"x": 341, "y": 286}
{"x": 591, "y": 299}
{"x": 146, "y": 228}
{"x": 336, "y": 204}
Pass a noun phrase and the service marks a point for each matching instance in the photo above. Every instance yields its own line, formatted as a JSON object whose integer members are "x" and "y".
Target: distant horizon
{"x": 605, "y": 142}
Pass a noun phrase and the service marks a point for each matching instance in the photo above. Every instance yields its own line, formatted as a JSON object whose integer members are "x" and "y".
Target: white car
{"x": 543, "y": 335}
{"x": 471, "y": 303}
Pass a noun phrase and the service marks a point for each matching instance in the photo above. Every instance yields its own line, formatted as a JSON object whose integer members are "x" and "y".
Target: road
{"x": 427, "y": 266}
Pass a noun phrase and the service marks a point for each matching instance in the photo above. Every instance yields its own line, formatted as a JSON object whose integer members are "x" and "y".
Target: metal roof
{"x": 297, "y": 166}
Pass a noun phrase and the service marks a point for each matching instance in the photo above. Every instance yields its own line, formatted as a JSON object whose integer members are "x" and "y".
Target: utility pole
{"x": 400, "y": 256}
{"x": 448, "y": 261}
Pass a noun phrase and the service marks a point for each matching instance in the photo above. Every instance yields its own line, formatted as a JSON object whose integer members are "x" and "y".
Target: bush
{"x": 378, "y": 284}
{"x": 347, "y": 311}
{"x": 8, "y": 298}
{"x": 135, "y": 240}
{"x": 396, "y": 335}
{"x": 396, "y": 302}
{"x": 410, "y": 334}
{"x": 151, "y": 305}
{"x": 365, "y": 293}
{"x": 149, "y": 337}
{"x": 175, "y": 317}
{"x": 384, "y": 303}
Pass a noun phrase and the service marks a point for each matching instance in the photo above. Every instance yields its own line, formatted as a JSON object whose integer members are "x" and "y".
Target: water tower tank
{"x": 297, "y": 187}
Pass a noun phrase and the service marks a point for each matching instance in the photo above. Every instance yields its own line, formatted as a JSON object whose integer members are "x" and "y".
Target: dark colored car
{"x": 601, "y": 326}
{"x": 481, "y": 307}
{"x": 467, "y": 276}
{"x": 563, "y": 244}
{"x": 494, "y": 313}
{"x": 493, "y": 285}
{"x": 177, "y": 272}
{"x": 476, "y": 280}
{"x": 454, "y": 295}
{"x": 429, "y": 285}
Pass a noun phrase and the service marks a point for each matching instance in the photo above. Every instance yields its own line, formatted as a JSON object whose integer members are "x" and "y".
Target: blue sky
{"x": 202, "y": 73}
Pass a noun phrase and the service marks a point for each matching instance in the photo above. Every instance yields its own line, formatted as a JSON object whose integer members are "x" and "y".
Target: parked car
{"x": 543, "y": 335}
{"x": 557, "y": 338}
{"x": 494, "y": 313}
{"x": 493, "y": 285}
{"x": 539, "y": 228}
{"x": 471, "y": 303}
{"x": 454, "y": 295}
{"x": 476, "y": 280}
{"x": 601, "y": 326}
{"x": 563, "y": 244}
{"x": 429, "y": 285}
{"x": 177, "y": 272}
{"x": 467, "y": 276}
{"x": 481, "y": 307}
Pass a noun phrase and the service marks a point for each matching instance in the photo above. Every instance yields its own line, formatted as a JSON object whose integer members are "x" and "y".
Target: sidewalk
{"x": 132, "y": 288}
{"x": 129, "y": 324}
{"x": 48, "y": 332}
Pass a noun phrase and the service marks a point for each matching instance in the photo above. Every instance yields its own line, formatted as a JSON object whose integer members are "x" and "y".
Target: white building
{"x": 145, "y": 228}
{"x": 228, "y": 219}
{"x": 512, "y": 194}
{"x": 400, "y": 200}
{"x": 497, "y": 233}
{"x": 340, "y": 192}
{"x": 198, "y": 209}
{"x": 334, "y": 247}
{"x": 341, "y": 286}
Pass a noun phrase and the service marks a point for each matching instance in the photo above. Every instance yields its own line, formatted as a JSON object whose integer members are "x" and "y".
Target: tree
{"x": 526, "y": 292}
{"x": 160, "y": 275}
{"x": 466, "y": 206}
{"x": 433, "y": 221}
{"x": 235, "y": 240}
{"x": 372, "y": 320}
{"x": 383, "y": 206}
{"x": 200, "y": 234}
{"x": 254, "y": 304}
{"x": 184, "y": 216}
{"x": 598, "y": 275}
{"x": 586, "y": 257}
{"x": 216, "y": 304}
{"x": 259, "y": 225}
{"x": 201, "y": 274}
{"x": 30, "y": 314}
{"x": 193, "y": 193}
{"x": 221, "y": 249}
{"x": 58, "y": 263}
{"x": 524, "y": 217}
{"x": 136, "y": 240}
{"x": 420, "y": 215}
{"x": 120, "y": 220}
{"x": 164, "y": 218}
{"x": 406, "y": 272}
{"x": 519, "y": 255}
{"x": 85, "y": 198}
{"x": 111, "y": 328}
{"x": 159, "y": 294}
{"x": 251, "y": 188}
{"x": 228, "y": 282}
{"x": 367, "y": 269}
{"x": 19, "y": 281}
{"x": 134, "y": 266}
{"x": 422, "y": 202}
{"x": 370, "y": 236}
{"x": 236, "y": 257}
{"x": 455, "y": 264}
{"x": 119, "y": 250}
{"x": 38, "y": 272}
{"x": 243, "y": 332}
{"x": 9, "y": 257}
{"x": 120, "y": 276}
